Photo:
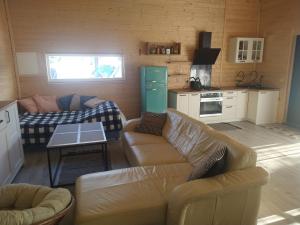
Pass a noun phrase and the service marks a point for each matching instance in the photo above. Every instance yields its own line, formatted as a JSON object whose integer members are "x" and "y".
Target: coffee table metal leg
{"x": 49, "y": 167}
{"x": 105, "y": 154}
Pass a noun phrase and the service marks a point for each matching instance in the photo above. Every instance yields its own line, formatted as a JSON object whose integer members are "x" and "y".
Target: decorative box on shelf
{"x": 155, "y": 48}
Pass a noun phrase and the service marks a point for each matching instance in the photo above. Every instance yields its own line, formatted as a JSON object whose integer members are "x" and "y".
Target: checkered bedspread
{"x": 38, "y": 128}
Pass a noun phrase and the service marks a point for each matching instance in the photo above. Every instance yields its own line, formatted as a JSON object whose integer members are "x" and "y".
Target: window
{"x": 84, "y": 67}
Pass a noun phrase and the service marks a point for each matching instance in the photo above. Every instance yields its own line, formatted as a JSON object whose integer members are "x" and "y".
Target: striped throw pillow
{"x": 212, "y": 163}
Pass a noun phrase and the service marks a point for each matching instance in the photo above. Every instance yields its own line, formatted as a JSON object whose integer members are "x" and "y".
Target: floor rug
{"x": 224, "y": 126}
{"x": 73, "y": 167}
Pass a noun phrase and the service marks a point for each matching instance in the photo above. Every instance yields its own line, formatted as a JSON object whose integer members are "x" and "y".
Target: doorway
{"x": 293, "y": 115}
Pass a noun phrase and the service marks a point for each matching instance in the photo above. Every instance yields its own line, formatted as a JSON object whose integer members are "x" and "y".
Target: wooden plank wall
{"x": 119, "y": 26}
{"x": 8, "y": 85}
{"x": 280, "y": 23}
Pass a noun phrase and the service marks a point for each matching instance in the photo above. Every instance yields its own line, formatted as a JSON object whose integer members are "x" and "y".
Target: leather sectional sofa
{"x": 156, "y": 190}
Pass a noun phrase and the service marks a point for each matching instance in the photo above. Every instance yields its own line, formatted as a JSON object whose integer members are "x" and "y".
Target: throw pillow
{"x": 212, "y": 163}
{"x": 64, "y": 102}
{"x": 152, "y": 123}
{"x": 75, "y": 103}
{"x": 29, "y": 105}
{"x": 46, "y": 103}
{"x": 218, "y": 168}
{"x": 84, "y": 99}
{"x": 92, "y": 103}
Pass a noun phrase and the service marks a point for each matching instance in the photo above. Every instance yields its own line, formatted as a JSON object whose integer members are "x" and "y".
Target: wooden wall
{"x": 119, "y": 26}
{"x": 8, "y": 85}
{"x": 280, "y": 23}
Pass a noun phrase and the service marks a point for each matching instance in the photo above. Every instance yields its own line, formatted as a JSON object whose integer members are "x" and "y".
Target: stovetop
{"x": 208, "y": 89}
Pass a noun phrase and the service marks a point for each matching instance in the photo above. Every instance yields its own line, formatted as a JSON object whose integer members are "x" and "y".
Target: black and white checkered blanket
{"x": 38, "y": 128}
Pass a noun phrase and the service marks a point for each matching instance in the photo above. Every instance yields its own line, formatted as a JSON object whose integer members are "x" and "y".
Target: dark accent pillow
{"x": 218, "y": 168}
{"x": 64, "y": 102}
{"x": 152, "y": 123}
{"x": 213, "y": 162}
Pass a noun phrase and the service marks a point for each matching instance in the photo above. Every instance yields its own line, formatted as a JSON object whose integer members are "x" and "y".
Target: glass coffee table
{"x": 73, "y": 136}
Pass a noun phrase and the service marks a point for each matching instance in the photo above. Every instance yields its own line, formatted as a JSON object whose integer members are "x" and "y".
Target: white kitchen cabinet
{"x": 5, "y": 171}
{"x": 11, "y": 149}
{"x": 179, "y": 101}
{"x": 246, "y": 50}
{"x": 241, "y": 105}
{"x": 194, "y": 105}
{"x": 183, "y": 103}
{"x": 187, "y": 103}
{"x": 262, "y": 106}
{"x": 229, "y": 106}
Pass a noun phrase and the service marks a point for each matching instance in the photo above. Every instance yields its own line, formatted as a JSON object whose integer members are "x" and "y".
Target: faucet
{"x": 240, "y": 77}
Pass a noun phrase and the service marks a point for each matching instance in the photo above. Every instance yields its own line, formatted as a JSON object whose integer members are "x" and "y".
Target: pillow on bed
{"x": 29, "y": 105}
{"x": 64, "y": 102}
{"x": 93, "y": 102}
{"x": 84, "y": 99}
{"x": 75, "y": 103}
{"x": 46, "y": 103}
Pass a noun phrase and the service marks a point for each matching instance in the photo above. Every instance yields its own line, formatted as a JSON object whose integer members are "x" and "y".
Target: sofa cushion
{"x": 152, "y": 123}
{"x": 135, "y": 138}
{"x": 24, "y": 204}
{"x": 132, "y": 196}
{"x": 191, "y": 137}
{"x": 156, "y": 154}
{"x": 183, "y": 133}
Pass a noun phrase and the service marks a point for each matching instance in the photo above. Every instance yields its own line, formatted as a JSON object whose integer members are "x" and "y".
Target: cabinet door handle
{"x": 154, "y": 81}
{"x": 154, "y": 89}
{"x": 228, "y": 107}
{"x": 8, "y": 116}
{"x": 195, "y": 94}
{"x": 229, "y": 98}
{"x": 182, "y": 95}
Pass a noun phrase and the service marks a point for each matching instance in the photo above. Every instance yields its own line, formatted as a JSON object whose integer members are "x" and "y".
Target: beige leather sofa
{"x": 156, "y": 191}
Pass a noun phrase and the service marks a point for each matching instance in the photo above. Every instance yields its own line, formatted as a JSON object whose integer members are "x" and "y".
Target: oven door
{"x": 211, "y": 107}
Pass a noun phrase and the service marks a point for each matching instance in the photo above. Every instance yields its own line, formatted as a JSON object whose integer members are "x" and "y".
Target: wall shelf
{"x": 159, "y": 48}
{"x": 178, "y": 74}
{"x": 179, "y": 62}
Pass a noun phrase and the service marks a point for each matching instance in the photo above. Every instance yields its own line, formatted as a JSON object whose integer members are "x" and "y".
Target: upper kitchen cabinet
{"x": 246, "y": 50}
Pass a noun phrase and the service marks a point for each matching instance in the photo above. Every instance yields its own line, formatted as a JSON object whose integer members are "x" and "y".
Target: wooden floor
{"x": 279, "y": 154}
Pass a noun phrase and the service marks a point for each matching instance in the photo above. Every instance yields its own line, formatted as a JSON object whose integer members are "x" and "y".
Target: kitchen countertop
{"x": 4, "y": 104}
{"x": 189, "y": 90}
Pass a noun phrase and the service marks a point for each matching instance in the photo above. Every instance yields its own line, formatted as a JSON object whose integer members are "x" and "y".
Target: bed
{"x": 38, "y": 128}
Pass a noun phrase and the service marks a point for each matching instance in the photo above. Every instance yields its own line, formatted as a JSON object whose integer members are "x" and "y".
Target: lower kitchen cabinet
{"x": 257, "y": 106}
{"x": 242, "y": 105}
{"x": 194, "y": 105}
{"x": 180, "y": 102}
{"x": 229, "y": 106}
{"x": 11, "y": 149}
{"x": 262, "y": 106}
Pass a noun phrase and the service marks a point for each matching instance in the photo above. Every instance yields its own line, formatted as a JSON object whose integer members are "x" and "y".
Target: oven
{"x": 211, "y": 104}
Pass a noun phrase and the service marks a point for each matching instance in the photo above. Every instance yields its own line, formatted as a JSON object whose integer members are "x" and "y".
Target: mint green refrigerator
{"x": 154, "y": 88}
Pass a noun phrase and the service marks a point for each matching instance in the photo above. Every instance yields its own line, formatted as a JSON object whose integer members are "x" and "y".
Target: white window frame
{"x": 83, "y": 80}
